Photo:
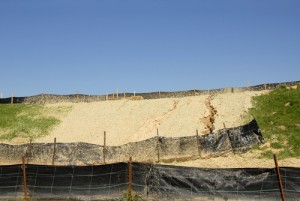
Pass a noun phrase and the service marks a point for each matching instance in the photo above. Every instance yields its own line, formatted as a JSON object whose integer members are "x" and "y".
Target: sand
{"x": 134, "y": 120}
{"x": 246, "y": 160}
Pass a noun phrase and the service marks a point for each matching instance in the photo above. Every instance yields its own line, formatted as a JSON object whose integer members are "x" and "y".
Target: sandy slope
{"x": 128, "y": 120}
{"x": 246, "y": 160}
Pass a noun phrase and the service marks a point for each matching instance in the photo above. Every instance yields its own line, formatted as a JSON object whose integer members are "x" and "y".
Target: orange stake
{"x": 130, "y": 176}
{"x": 24, "y": 178}
{"x": 54, "y": 150}
{"x": 279, "y": 178}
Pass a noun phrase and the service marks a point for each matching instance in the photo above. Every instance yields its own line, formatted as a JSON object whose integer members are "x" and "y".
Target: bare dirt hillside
{"x": 134, "y": 120}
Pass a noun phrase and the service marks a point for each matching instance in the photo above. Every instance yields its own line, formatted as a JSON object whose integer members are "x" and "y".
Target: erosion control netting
{"x": 163, "y": 149}
{"x": 53, "y": 98}
{"x": 150, "y": 182}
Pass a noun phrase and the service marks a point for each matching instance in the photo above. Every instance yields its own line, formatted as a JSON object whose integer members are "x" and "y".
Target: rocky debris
{"x": 209, "y": 117}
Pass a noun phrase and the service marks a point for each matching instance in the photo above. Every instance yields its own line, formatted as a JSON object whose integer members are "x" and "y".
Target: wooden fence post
{"x": 43, "y": 98}
{"x": 12, "y": 99}
{"x": 130, "y": 176}
{"x": 104, "y": 147}
{"x": 279, "y": 178}
{"x": 198, "y": 143}
{"x": 24, "y": 178}
{"x": 158, "y": 146}
{"x": 228, "y": 137}
{"x": 54, "y": 150}
{"x": 29, "y": 151}
{"x": 117, "y": 92}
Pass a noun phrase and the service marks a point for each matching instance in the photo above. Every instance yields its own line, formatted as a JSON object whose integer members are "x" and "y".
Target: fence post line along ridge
{"x": 75, "y": 98}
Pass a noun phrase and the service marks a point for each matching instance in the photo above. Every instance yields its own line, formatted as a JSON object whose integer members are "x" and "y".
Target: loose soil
{"x": 134, "y": 120}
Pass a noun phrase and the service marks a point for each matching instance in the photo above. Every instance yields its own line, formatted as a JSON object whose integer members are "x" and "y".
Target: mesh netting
{"x": 150, "y": 182}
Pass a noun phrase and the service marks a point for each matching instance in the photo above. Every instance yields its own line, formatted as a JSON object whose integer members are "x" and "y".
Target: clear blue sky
{"x": 93, "y": 46}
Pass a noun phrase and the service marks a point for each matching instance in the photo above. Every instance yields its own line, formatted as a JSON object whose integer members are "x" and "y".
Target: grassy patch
{"x": 130, "y": 197}
{"x": 278, "y": 115}
{"x": 24, "y": 120}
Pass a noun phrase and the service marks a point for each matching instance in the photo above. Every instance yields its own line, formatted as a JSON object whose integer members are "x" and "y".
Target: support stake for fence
{"x": 159, "y": 94}
{"x": 130, "y": 176}
{"x": 198, "y": 143}
{"x": 117, "y": 92}
{"x": 158, "y": 146}
{"x": 54, "y": 150}
{"x": 104, "y": 147}
{"x": 43, "y": 102}
{"x": 24, "y": 178}
{"x": 228, "y": 137}
{"x": 12, "y": 99}
{"x": 29, "y": 151}
{"x": 279, "y": 178}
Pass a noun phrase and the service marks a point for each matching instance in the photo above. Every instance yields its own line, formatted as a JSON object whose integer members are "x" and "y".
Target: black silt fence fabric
{"x": 15, "y": 100}
{"x": 11, "y": 181}
{"x": 65, "y": 182}
{"x": 236, "y": 140}
{"x": 150, "y": 182}
{"x": 244, "y": 137}
{"x": 161, "y": 182}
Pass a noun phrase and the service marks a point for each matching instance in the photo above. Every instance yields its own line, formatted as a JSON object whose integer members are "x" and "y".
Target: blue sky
{"x": 94, "y": 46}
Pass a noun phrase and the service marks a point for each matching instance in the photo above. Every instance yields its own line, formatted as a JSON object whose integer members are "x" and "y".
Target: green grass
{"x": 278, "y": 115}
{"x": 24, "y": 120}
{"x": 130, "y": 197}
